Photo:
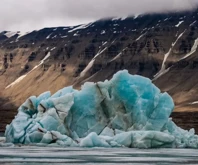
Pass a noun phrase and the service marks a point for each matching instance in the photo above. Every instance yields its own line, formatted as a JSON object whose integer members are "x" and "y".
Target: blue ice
{"x": 126, "y": 111}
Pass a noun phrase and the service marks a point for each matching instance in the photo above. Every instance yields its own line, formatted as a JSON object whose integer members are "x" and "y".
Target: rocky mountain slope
{"x": 162, "y": 47}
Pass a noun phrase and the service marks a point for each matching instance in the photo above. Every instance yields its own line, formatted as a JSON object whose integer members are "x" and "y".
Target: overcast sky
{"x": 27, "y": 15}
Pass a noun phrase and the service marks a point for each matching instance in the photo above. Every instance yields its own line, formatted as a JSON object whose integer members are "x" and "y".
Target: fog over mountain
{"x": 35, "y": 14}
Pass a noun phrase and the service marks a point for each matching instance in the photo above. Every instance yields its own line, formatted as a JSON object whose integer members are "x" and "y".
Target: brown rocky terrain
{"x": 162, "y": 47}
{"x": 186, "y": 120}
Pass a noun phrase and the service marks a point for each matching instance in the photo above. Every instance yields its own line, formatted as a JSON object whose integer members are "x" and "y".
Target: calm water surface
{"x": 59, "y": 156}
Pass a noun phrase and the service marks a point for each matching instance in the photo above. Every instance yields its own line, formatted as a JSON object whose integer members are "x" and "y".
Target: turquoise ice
{"x": 127, "y": 111}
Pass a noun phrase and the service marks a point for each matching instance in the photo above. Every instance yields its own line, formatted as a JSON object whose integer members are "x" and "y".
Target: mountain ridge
{"x": 162, "y": 47}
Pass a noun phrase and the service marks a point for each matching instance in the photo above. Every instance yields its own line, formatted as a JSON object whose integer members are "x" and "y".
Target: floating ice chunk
{"x": 93, "y": 140}
{"x": 108, "y": 132}
{"x": 6, "y": 144}
{"x": 2, "y": 139}
{"x": 126, "y": 111}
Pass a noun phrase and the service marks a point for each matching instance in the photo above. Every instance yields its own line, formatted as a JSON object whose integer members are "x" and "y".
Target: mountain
{"x": 162, "y": 47}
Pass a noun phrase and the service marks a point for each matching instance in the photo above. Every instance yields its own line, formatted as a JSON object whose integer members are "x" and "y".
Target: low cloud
{"x": 34, "y": 14}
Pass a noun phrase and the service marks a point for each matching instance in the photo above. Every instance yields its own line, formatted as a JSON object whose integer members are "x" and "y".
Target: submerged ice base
{"x": 127, "y": 111}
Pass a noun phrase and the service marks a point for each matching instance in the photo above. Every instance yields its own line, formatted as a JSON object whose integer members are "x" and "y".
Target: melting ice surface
{"x": 127, "y": 111}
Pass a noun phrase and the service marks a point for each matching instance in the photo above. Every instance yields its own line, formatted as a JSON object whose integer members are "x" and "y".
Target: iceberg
{"x": 126, "y": 111}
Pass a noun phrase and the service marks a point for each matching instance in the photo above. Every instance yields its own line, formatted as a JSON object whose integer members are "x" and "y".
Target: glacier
{"x": 126, "y": 111}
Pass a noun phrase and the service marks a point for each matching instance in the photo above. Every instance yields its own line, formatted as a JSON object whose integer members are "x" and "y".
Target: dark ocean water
{"x": 59, "y": 156}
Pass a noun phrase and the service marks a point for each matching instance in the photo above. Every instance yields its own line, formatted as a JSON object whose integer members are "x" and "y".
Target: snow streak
{"x": 23, "y": 76}
{"x": 163, "y": 69}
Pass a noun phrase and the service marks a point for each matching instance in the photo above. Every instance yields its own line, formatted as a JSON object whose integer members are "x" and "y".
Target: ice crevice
{"x": 126, "y": 111}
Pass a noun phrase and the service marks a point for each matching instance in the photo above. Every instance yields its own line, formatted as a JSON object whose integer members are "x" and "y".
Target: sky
{"x": 28, "y": 15}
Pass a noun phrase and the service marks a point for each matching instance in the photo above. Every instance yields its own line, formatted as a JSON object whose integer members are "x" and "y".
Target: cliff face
{"x": 162, "y": 47}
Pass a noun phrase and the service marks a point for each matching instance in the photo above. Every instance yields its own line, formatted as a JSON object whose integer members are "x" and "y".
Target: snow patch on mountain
{"x": 48, "y": 37}
{"x": 163, "y": 69}
{"x": 193, "y": 23}
{"x": 140, "y": 37}
{"x": 104, "y": 43}
{"x": 103, "y": 32}
{"x": 195, "y": 102}
{"x": 10, "y": 34}
{"x": 123, "y": 18}
{"x": 89, "y": 66}
{"x": 23, "y": 76}
{"x": 84, "y": 26}
{"x": 119, "y": 55}
{"x": 193, "y": 49}
{"x": 54, "y": 37}
{"x": 53, "y": 48}
{"x": 180, "y": 22}
{"x": 64, "y": 36}
{"x": 21, "y": 34}
{"x": 136, "y": 16}
{"x": 119, "y": 18}
{"x": 173, "y": 44}
{"x": 76, "y": 34}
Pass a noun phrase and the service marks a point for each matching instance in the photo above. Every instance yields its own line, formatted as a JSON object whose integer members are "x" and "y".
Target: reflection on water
{"x": 53, "y": 156}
